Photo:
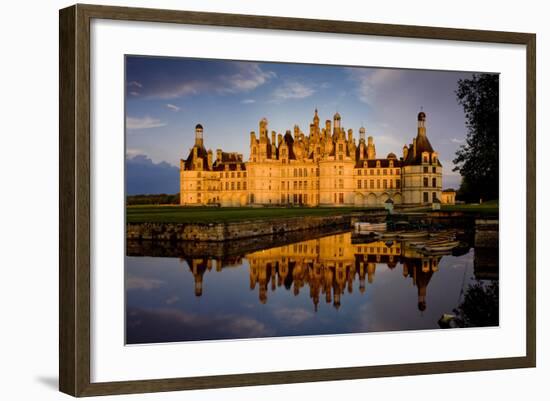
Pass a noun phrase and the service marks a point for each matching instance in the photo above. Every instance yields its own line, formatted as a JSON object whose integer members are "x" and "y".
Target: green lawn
{"x": 178, "y": 214}
{"x": 489, "y": 207}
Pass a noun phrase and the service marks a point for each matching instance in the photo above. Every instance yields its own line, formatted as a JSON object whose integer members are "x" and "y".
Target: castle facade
{"x": 327, "y": 167}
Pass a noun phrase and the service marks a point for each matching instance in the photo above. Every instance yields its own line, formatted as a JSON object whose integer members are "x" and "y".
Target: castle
{"x": 325, "y": 168}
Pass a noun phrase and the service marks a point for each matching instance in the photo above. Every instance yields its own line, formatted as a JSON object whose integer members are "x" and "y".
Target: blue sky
{"x": 167, "y": 97}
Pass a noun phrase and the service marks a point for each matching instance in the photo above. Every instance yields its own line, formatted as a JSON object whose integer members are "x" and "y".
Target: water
{"x": 328, "y": 284}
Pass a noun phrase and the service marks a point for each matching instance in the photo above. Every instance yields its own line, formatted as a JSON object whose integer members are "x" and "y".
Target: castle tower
{"x": 362, "y": 132}
{"x": 198, "y": 136}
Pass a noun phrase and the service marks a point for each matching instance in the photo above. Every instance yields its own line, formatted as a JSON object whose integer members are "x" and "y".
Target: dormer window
{"x": 378, "y": 163}
{"x": 425, "y": 157}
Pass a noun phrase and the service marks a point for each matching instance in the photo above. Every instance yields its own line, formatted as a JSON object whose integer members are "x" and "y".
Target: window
{"x": 305, "y": 184}
{"x": 340, "y": 198}
{"x": 378, "y": 184}
{"x": 295, "y": 173}
{"x": 238, "y": 174}
{"x": 425, "y": 182}
{"x": 238, "y": 186}
{"x": 425, "y": 170}
{"x": 391, "y": 184}
{"x": 372, "y": 184}
{"x": 365, "y": 183}
{"x": 226, "y": 186}
{"x": 340, "y": 157}
{"x": 305, "y": 198}
{"x": 232, "y": 174}
{"x": 295, "y": 198}
{"x": 299, "y": 172}
{"x": 300, "y": 185}
{"x": 425, "y": 197}
{"x": 385, "y": 183}
{"x": 232, "y": 186}
{"x": 295, "y": 185}
{"x": 199, "y": 174}
{"x": 244, "y": 185}
{"x": 434, "y": 182}
{"x": 359, "y": 184}
{"x": 359, "y": 172}
{"x": 341, "y": 183}
{"x": 371, "y": 172}
{"x": 434, "y": 196}
{"x": 305, "y": 172}
{"x": 397, "y": 171}
{"x": 434, "y": 170}
{"x": 282, "y": 199}
{"x": 384, "y": 172}
{"x": 425, "y": 158}
{"x": 340, "y": 148}
{"x": 398, "y": 183}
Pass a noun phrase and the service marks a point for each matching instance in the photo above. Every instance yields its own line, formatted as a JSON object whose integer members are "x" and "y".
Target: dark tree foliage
{"x": 156, "y": 199}
{"x": 479, "y": 307}
{"x": 477, "y": 159}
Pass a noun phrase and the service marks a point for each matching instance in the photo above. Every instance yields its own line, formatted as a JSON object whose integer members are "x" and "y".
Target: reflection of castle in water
{"x": 329, "y": 266}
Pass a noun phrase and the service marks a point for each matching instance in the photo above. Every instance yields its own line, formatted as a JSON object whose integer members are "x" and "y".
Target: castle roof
{"x": 201, "y": 154}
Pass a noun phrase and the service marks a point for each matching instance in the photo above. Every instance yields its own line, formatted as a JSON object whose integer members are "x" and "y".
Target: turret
{"x": 405, "y": 152}
{"x": 316, "y": 119}
{"x": 198, "y": 135}
{"x": 219, "y": 155}
{"x": 263, "y": 128}
{"x": 421, "y": 123}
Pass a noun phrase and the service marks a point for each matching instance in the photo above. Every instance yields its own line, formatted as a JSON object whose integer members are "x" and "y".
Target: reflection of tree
{"x": 479, "y": 307}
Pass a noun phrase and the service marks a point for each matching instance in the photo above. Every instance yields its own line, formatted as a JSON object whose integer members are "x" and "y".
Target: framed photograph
{"x": 250, "y": 200}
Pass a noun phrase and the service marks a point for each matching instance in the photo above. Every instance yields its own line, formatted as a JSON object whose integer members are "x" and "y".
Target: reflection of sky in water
{"x": 162, "y": 306}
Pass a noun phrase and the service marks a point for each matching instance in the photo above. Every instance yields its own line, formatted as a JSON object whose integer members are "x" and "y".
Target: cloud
{"x": 292, "y": 90}
{"x": 244, "y": 78}
{"x": 173, "y": 107}
{"x": 248, "y": 101}
{"x": 248, "y": 77}
{"x": 143, "y": 176}
{"x": 133, "y": 93}
{"x": 456, "y": 140}
{"x": 167, "y": 324}
{"x": 293, "y": 316}
{"x": 135, "y": 84}
{"x": 132, "y": 152}
{"x": 134, "y": 123}
{"x": 371, "y": 80}
{"x": 140, "y": 283}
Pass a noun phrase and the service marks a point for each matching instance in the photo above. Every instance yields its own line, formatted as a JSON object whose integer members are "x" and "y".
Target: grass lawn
{"x": 489, "y": 207}
{"x": 178, "y": 214}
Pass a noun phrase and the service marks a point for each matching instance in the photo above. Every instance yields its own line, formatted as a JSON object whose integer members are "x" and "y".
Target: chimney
{"x": 279, "y": 139}
{"x": 273, "y": 135}
{"x": 405, "y": 151}
{"x": 252, "y": 137}
{"x": 414, "y": 147}
{"x": 350, "y": 135}
{"x": 210, "y": 159}
{"x": 219, "y": 155}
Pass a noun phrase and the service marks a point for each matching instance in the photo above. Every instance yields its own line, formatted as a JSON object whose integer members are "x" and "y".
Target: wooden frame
{"x": 74, "y": 204}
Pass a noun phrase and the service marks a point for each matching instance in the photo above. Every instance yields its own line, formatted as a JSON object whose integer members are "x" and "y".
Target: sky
{"x": 167, "y": 97}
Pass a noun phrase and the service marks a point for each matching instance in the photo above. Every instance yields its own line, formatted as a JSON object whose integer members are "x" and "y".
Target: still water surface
{"x": 329, "y": 284}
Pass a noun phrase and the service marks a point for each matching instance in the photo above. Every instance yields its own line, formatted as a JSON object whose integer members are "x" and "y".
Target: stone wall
{"x": 486, "y": 234}
{"x": 230, "y": 231}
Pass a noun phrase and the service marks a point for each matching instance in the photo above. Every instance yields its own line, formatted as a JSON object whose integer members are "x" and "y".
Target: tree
{"x": 477, "y": 159}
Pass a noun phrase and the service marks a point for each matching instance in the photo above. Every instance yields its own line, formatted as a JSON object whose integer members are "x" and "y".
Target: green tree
{"x": 477, "y": 159}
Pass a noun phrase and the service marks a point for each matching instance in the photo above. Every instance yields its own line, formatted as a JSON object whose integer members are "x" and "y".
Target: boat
{"x": 413, "y": 234}
{"x": 369, "y": 227}
{"x": 442, "y": 247}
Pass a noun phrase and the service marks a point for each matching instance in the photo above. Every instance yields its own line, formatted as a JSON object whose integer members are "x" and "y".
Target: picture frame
{"x": 75, "y": 204}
